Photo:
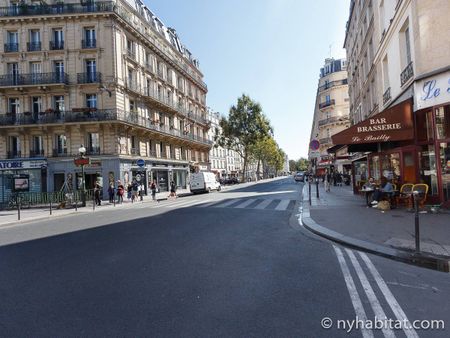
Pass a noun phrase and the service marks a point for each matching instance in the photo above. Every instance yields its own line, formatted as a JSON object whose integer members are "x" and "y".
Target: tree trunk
{"x": 257, "y": 170}
{"x": 245, "y": 168}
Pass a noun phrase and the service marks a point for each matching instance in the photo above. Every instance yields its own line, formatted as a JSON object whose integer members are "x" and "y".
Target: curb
{"x": 425, "y": 260}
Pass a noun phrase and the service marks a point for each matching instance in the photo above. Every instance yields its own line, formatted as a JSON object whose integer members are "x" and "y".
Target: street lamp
{"x": 82, "y": 152}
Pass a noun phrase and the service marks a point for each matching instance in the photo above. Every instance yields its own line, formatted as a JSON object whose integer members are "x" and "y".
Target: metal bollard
{"x": 317, "y": 187}
{"x": 114, "y": 197}
{"x": 50, "y": 206}
{"x": 18, "y": 208}
{"x": 76, "y": 202}
{"x": 93, "y": 201}
{"x": 416, "y": 220}
{"x": 309, "y": 192}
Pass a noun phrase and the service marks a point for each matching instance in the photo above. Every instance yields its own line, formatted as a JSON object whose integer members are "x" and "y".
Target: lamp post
{"x": 82, "y": 152}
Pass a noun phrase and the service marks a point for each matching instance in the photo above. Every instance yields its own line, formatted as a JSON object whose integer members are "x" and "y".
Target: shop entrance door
{"x": 409, "y": 167}
{"x": 58, "y": 181}
{"x": 444, "y": 155}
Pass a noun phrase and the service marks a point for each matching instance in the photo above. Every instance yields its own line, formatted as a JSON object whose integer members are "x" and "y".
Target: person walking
{"x": 327, "y": 181}
{"x": 111, "y": 193}
{"x": 97, "y": 189}
{"x": 135, "y": 191}
{"x": 173, "y": 190}
{"x": 141, "y": 192}
{"x": 129, "y": 192}
{"x": 153, "y": 190}
{"x": 120, "y": 192}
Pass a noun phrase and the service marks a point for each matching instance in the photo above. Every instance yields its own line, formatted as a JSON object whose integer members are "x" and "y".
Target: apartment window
{"x": 131, "y": 48}
{"x": 35, "y": 40}
{"x": 14, "y": 105}
{"x": 91, "y": 100}
{"x": 58, "y": 39}
{"x": 58, "y": 67}
{"x": 14, "y": 147}
{"x": 130, "y": 77}
{"x": 36, "y": 104}
{"x": 12, "y": 38}
{"x": 93, "y": 143}
{"x": 385, "y": 73}
{"x": 58, "y": 102}
{"x": 132, "y": 106}
{"x": 328, "y": 99}
{"x": 91, "y": 71}
{"x": 407, "y": 46}
{"x": 61, "y": 144}
{"x": 90, "y": 40}
{"x": 37, "y": 145}
{"x": 35, "y": 70}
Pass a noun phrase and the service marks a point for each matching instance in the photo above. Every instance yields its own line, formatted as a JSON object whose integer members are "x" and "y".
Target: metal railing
{"x": 93, "y": 150}
{"x": 327, "y": 104}
{"x": 11, "y": 47}
{"x": 387, "y": 95}
{"x": 37, "y": 153}
{"x": 83, "y": 78}
{"x": 88, "y": 43}
{"x": 94, "y": 115}
{"x": 407, "y": 73}
{"x": 333, "y": 119}
{"x": 60, "y": 152}
{"x": 33, "y": 79}
{"x": 333, "y": 84}
{"x": 34, "y": 46}
{"x": 14, "y": 154}
{"x": 325, "y": 140}
{"x": 56, "y": 45}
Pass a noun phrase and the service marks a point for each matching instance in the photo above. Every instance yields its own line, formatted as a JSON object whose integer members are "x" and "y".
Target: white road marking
{"x": 184, "y": 203}
{"x": 395, "y": 306}
{"x": 376, "y": 306}
{"x": 227, "y": 203}
{"x": 263, "y": 204}
{"x": 354, "y": 296}
{"x": 245, "y": 204}
{"x": 283, "y": 205}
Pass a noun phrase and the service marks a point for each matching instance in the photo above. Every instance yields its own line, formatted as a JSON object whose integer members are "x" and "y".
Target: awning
{"x": 393, "y": 124}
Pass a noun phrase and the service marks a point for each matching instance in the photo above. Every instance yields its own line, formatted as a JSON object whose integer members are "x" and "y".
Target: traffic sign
{"x": 140, "y": 162}
{"x": 314, "y": 145}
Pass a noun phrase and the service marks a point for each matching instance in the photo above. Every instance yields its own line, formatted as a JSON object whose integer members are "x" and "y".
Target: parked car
{"x": 299, "y": 176}
{"x": 204, "y": 182}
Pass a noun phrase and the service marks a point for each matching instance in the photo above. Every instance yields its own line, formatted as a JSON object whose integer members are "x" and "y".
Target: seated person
{"x": 369, "y": 185}
{"x": 386, "y": 189}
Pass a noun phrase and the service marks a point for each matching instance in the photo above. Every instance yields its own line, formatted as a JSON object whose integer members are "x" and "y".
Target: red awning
{"x": 393, "y": 124}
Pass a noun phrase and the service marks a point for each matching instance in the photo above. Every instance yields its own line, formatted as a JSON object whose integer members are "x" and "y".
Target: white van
{"x": 204, "y": 182}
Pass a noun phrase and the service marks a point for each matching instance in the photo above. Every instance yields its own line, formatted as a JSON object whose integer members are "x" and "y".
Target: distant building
{"x": 331, "y": 115}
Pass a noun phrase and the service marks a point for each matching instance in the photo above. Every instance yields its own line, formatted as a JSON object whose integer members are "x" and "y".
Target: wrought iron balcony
{"x": 333, "y": 84}
{"x": 135, "y": 151}
{"x": 88, "y": 43}
{"x": 37, "y": 153}
{"x": 131, "y": 54}
{"x": 89, "y": 78}
{"x": 61, "y": 152}
{"x": 33, "y": 46}
{"x": 43, "y": 9}
{"x": 327, "y": 104}
{"x": 14, "y": 154}
{"x": 33, "y": 79}
{"x": 133, "y": 85}
{"x": 325, "y": 140}
{"x": 93, "y": 150}
{"x": 56, "y": 45}
{"x": 387, "y": 95}
{"x": 407, "y": 73}
{"x": 333, "y": 119}
{"x": 11, "y": 47}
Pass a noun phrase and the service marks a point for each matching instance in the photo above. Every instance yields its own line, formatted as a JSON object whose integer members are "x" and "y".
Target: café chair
{"x": 360, "y": 186}
{"x": 404, "y": 196}
{"x": 422, "y": 188}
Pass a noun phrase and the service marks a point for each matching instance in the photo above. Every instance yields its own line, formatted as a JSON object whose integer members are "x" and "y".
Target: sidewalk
{"x": 344, "y": 217}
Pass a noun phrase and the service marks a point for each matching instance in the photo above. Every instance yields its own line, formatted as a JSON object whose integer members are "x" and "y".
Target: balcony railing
{"x": 89, "y": 43}
{"x": 29, "y": 10}
{"x": 131, "y": 54}
{"x": 387, "y": 95}
{"x": 333, "y": 119}
{"x": 56, "y": 45}
{"x": 33, "y": 79}
{"x": 92, "y": 150}
{"x": 135, "y": 151}
{"x": 89, "y": 78}
{"x": 37, "y": 153}
{"x": 327, "y": 104}
{"x": 325, "y": 140}
{"x": 14, "y": 154}
{"x": 133, "y": 85}
{"x": 33, "y": 46}
{"x": 94, "y": 115}
{"x": 407, "y": 73}
{"x": 333, "y": 84}
{"x": 62, "y": 152}
{"x": 11, "y": 47}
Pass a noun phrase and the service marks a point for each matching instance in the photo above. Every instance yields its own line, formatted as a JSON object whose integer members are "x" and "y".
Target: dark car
{"x": 299, "y": 176}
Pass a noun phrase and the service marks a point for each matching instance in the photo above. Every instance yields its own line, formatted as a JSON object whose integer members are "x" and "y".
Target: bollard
{"x": 76, "y": 202}
{"x": 416, "y": 220}
{"x": 50, "y": 206}
{"x": 114, "y": 197}
{"x": 309, "y": 193}
{"x": 93, "y": 201}
{"x": 18, "y": 208}
{"x": 317, "y": 187}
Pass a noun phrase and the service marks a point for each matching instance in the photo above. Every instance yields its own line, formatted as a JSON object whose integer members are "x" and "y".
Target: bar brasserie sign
{"x": 394, "y": 124}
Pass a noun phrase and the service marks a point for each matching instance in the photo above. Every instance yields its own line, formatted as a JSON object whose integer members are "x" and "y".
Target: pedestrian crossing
{"x": 235, "y": 203}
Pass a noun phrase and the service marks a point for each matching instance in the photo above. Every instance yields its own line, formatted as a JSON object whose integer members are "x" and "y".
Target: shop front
{"x": 432, "y": 97}
{"x": 31, "y": 173}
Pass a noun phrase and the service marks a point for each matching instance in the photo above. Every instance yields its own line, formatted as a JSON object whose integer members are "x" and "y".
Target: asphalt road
{"x": 230, "y": 264}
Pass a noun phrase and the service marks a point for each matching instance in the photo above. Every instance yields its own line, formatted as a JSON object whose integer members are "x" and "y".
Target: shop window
{"x": 444, "y": 153}
{"x": 443, "y": 122}
{"x": 424, "y": 126}
{"x": 427, "y": 169}
{"x": 375, "y": 167}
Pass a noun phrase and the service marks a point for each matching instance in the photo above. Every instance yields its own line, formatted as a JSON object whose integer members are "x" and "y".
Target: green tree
{"x": 262, "y": 152}
{"x": 245, "y": 126}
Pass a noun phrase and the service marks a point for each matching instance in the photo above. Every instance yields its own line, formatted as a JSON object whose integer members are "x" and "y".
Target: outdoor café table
{"x": 367, "y": 192}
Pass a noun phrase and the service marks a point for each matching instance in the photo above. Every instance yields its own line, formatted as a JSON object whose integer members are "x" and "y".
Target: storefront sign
{"x": 393, "y": 124}
{"x": 432, "y": 91}
{"x": 81, "y": 161}
{"x": 18, "y": 164}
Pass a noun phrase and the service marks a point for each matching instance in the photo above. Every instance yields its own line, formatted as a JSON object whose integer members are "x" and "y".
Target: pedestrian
{"x": 173, "y": 189}
{"x": 327, "y": 181}
{"x": 135, "y": 191}
{"x": 97, "y": 189}
{"x": 153, "y": 189}
{"x": 141, "y": 192}
{"x": 111, "y": 193}
{"x": 120, "y": 192}
{"x": 129, "y": 192}
{"x": 339, "y": 179}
